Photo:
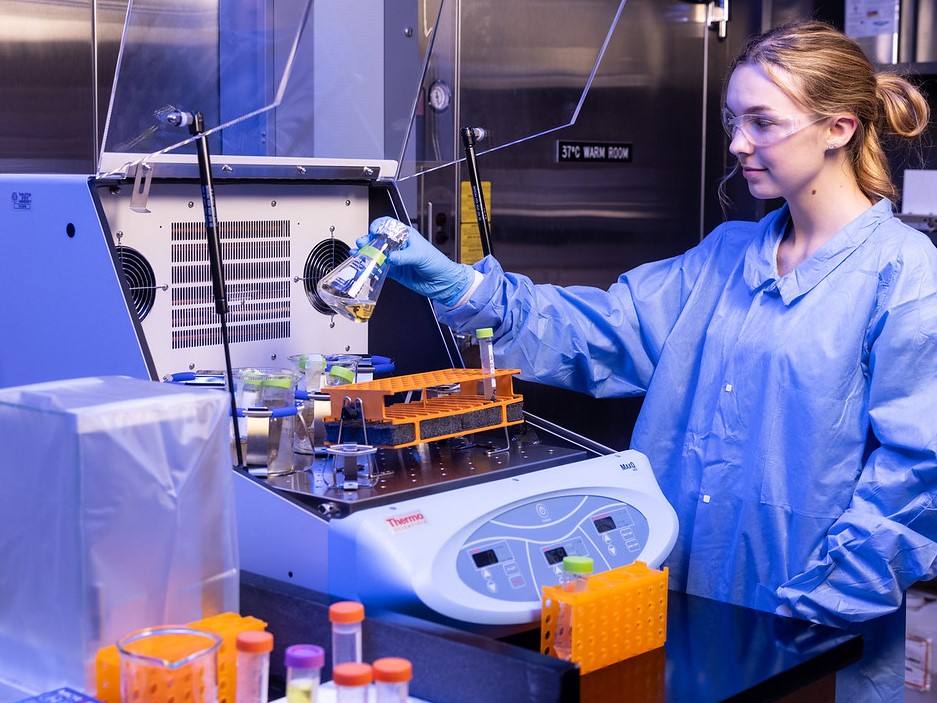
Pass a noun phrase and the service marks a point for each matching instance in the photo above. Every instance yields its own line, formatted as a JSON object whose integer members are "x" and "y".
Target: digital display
{"x": 555, "y": 555}
{"x": 604, "y": 524}
{"x": 486, "y": 558}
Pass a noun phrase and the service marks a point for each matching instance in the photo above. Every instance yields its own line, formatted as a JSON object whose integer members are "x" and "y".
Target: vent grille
{"x": 324, "y": 257}
{"x": 141, "y": 280}
{"x": 256, "y": 257}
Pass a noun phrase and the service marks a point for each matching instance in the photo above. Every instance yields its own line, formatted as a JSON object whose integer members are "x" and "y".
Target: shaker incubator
{"x": 303, "y": 161}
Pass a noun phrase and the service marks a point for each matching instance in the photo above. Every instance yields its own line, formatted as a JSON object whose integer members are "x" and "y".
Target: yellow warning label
{"x": 470, "y": 236}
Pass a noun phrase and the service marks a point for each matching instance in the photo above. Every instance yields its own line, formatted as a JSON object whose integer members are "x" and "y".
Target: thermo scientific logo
{"x": 405, "y": 522}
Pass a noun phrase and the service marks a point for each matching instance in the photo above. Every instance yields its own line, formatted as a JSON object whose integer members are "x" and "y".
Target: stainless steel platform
{"x": 401, "y": 474}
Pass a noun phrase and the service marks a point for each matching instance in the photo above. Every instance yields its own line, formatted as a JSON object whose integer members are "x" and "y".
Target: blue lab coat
{"x": 790, "y": 420}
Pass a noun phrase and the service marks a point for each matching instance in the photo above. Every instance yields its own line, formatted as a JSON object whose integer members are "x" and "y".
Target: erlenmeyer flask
{"x": 351, "y": 289}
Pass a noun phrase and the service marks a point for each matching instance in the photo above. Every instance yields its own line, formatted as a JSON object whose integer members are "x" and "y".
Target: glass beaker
{"x": 310, "y": 368}
{"x": 340, "y": 370}
{"x": 263, "y": 387}
{"x": 266, "y": 402}
{"x": 169, "y": 663}
{"x": 351, "y": 289}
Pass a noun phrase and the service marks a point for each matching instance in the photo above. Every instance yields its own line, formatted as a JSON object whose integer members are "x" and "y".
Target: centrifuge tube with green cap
{"x": 351, "y": 289}
{"x": 487, "y": 353}
{"x": 574, "y": 579}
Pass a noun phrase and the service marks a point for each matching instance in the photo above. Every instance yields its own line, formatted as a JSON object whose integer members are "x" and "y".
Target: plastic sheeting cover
{"x": 116, "y": 512}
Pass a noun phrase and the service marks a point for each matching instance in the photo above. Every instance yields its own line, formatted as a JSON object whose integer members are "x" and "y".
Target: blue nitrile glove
{"x": 424, "y": 269}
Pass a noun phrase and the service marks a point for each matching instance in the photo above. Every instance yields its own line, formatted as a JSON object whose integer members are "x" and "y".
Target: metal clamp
{"x": 350, "y": 467}
{"x": 142, "y": 179}
{"x": 352, "y": 410}
{"x": 261, "y": 450}
{"x": 717, "y": 17}
{"x": 258, "y": 436}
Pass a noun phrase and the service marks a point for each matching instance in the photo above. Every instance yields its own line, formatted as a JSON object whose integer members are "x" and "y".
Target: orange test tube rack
{"x": 621, "y": 613}
{"x": 427, "y": 415}
{"x": 226, "y": 625}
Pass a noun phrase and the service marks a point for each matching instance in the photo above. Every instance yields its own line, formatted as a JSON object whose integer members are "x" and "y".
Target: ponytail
{"x": 902, "y": 112}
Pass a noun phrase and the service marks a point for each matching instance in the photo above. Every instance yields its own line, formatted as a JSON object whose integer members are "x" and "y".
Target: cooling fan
{"x": 324, "y": 257}
{"x": 141, "y": 280}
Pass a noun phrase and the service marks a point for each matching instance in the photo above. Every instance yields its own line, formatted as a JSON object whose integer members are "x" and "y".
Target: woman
{"x": 789, "y": 365}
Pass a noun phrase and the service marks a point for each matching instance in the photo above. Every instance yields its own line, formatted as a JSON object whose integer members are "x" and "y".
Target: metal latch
{"x": 717, "y": 17}
{"x": 142, "y": 179}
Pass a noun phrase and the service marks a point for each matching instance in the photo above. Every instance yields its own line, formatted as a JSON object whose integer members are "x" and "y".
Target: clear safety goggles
{"x": 764, "y": 130}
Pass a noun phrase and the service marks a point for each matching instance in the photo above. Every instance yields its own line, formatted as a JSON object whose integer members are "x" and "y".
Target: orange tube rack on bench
{"x": 161, "y": 686}
{"x": 430, "y": 418}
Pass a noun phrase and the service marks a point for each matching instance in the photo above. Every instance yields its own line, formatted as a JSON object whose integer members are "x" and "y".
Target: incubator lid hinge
{"x": 142, "y": 179}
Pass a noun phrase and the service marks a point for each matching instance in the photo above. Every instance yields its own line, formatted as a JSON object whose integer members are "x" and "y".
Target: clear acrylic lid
{"x": 367, "y": 87}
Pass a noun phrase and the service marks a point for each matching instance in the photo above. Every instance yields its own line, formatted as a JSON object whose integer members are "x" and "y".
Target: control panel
{"x": 516, "y": 552}
{"x": 481, "y": 553}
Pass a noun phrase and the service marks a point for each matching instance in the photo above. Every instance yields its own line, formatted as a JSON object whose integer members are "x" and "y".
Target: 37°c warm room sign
{"x": 595, "y": 152}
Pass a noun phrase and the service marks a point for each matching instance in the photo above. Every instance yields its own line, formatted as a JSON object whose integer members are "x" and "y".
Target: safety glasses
{"x": 764, "y": 130}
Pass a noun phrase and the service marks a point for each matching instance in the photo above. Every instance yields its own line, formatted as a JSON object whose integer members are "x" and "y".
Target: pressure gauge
{"x": 439, "y": 96}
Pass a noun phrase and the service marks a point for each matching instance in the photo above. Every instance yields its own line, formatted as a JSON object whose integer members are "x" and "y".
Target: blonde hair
{"x": 827, "y": 72}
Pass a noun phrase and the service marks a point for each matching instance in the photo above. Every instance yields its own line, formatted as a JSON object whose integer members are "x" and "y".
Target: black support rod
{"x": 215, "y": 263}
{"x": 469, "y": 137}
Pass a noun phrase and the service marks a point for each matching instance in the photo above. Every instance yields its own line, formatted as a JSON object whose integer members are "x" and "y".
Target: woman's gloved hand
{"x": 424, "y": 269}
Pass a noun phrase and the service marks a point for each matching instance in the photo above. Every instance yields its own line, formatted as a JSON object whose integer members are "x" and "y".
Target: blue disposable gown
{"x": 790, "y": 420}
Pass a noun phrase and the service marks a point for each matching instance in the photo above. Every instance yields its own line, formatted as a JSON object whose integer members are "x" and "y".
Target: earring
{"x": 831, "y": 146}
